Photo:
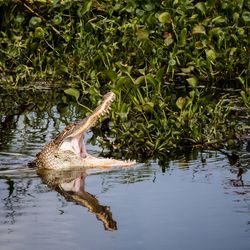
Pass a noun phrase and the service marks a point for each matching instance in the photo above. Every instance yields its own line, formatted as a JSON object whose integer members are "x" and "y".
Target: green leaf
{"x": 142, "y": 34}
{"x": 86, "y": 7}
{"x": 198, "y": 45}
{"x": 183, "y": 37}
{"x": 218, "y": 19}
{"x": 211, "y": 55}
{"x": 110, "y": 74}
{"x": 216, "y": 32}
{"x": 180, "y": 103}
{"x": 20, "y": 18}
{"x": 171, "y": 62}
{"x": 168, "y": 38}
{"x": 202, "y": 7}
{"x": 159, "y": 75}
{"x": 73, "y": 92}
{"x": 139, "y": 80}
{"x": 124, "y": 68}
{"x": 242, "y": 81}
{"x": 192, "y": 81}
{"x": 165, "y": 17}
{"x": 194, "y": 16}
{"x": 150, "y": 79}
{"x": 124, "y": 80}
{"x": 57, "y": 19}
{"x": 198, "y": 29}
{"x": 149, "y": 6}
{"x": 240, "y": 31}
{"x": 246, "y": 16}
{"x": 211, "y": 3}
{"x": 187, "y": 70}
{"x": 236, "y": 17}
{"x": 39, "y": 32}
{"x": 232, "y": 51}
{"x": 35, "y": 21}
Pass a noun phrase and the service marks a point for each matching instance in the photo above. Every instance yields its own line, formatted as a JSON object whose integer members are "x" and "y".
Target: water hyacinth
{"x": 155, "y": 55}
{"x": 39, "y": 32}
{"x": 89, "y": 34}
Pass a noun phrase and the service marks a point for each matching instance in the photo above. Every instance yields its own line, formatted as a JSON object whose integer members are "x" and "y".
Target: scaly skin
{"x": 68, "y": 150}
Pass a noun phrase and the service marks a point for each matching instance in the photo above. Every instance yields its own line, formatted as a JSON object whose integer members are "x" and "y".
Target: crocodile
{"x": 68, "y": 149}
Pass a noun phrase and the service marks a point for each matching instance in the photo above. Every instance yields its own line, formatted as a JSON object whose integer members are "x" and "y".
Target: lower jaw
{"x": 104, "y": 163}
{"x": 67, "y": 161}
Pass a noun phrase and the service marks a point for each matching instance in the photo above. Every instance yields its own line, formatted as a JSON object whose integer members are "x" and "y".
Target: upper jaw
{"x": 90, "y": 121}
{"x": 72, "y": 136}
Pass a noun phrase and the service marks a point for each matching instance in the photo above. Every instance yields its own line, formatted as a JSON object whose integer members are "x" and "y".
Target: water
{"x": 201, "y": 201}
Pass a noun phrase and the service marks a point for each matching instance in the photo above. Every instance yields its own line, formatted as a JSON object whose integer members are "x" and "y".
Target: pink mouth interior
{"x": 76, "y": 145}
{"x": 79, "y": 147}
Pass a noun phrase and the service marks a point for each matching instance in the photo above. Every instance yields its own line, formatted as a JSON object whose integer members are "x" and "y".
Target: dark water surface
{"x": 201, "y": 201}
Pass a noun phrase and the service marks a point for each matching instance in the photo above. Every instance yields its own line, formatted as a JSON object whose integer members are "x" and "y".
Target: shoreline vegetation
{"x": 171, "y": 64}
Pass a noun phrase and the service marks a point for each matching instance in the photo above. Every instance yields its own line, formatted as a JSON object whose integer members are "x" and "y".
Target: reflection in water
{"x": 16, "y": 194}
{"x": 71, "y": 185}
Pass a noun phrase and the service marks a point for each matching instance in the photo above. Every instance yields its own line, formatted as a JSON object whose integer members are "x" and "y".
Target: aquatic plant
{"x": 84, "y": 40}
{"x": 154, "y": 121}
{"x": 160, "y": 58}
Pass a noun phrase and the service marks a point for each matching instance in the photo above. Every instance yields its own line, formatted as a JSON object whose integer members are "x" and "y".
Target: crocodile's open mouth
{"x": 68, "y": 149}
{"x": 76, "y": 145}
{"x": 74, "y": 140}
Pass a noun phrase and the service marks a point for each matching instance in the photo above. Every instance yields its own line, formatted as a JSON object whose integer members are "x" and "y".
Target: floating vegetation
{"x": 87, "y": 40}
{"x": 161, "y": 58}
